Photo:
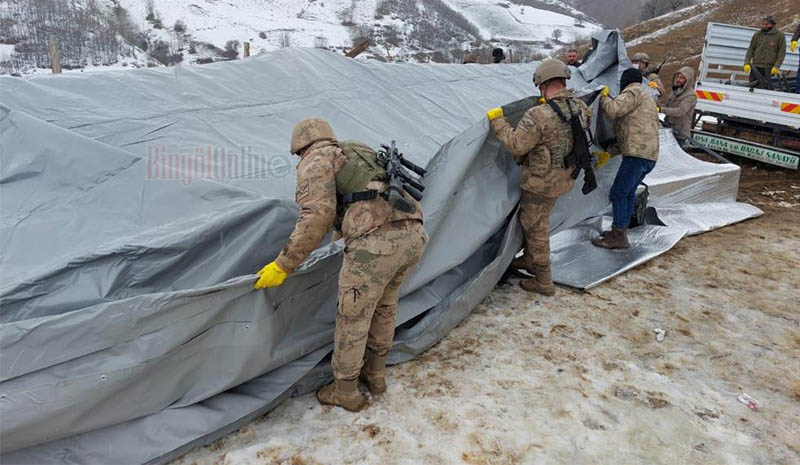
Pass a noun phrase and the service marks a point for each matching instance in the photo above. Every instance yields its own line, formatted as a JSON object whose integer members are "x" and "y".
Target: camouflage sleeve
{"x": 521, "y": 140}
{"x": 616, "y": 108}
{"x": 685, "y": 106}
{"x": 316, "y": 196}
{"x": 796, "y": 33}
{"x": 659, "y": 85}
{"x": 586, "y": 113}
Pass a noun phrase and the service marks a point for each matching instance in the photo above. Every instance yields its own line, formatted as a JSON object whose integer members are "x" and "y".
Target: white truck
{"x": 735, "y": 117}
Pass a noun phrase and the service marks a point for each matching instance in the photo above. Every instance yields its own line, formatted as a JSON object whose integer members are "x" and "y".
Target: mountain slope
{"x": 681, "y": 35}
{"x": 171, "y": 31}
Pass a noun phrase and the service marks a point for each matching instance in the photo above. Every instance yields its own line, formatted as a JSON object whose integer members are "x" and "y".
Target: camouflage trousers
{"x": 535, "y": 219}
{"x": 374, "y": 268}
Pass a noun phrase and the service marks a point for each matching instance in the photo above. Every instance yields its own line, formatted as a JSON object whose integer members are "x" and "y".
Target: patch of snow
{"x": 6, "y": 50}
{"x": 509, "y": 21}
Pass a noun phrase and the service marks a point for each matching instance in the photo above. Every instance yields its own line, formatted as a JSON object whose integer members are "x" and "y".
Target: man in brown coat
{"x": 637, "y": 141}
{"x": 382, "y": 246}
{"x": 539, "y": 143}
{"x": 766, "y": 52}
{"x": 679, "y": 106}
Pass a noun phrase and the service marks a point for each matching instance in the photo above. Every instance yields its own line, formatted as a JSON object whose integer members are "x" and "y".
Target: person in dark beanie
{"x": 498, "y": 56}
{"x": 637, "y": 141}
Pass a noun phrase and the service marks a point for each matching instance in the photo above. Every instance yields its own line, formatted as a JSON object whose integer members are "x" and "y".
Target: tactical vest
{"x": 362, "y": 166}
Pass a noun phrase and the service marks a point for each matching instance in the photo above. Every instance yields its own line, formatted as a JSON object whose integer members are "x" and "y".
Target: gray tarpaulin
{"x": 137, "y": 205}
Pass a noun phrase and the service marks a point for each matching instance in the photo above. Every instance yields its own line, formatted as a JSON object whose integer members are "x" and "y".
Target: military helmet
{"x": 308, "y": 131}
{"x": 550, "y": 69}
{"x": 641, "y": 56}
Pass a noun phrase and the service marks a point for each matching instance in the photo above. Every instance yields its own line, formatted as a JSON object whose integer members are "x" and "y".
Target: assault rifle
{"x": 580, "y": 158}
{"x": 399, "y": 179}
{"x": 657, "y": 69}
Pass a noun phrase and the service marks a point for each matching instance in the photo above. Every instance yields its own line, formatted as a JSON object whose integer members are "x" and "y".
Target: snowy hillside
{"x": 513, "y": 22}
{"x": 136, "y": 33}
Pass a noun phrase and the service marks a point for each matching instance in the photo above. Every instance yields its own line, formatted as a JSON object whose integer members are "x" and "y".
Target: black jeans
{"x": 762, "y": 83}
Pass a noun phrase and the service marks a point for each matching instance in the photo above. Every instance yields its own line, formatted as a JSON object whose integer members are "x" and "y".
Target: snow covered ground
{"x": 580, "y": 378}
{"x": 284, "y": 22}
{"x": 510, "y": 21}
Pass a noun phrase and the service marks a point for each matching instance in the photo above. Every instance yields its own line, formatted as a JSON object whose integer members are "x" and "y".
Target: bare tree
{"x": 231, "y": 49}
{"x": 285, "y": 39}
{"x": 557, "y": 33}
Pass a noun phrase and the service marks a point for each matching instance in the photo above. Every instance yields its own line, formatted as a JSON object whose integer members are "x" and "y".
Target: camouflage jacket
{"x": 653, "y": 77}
{"x": 539, "y": 144}
{"x": 315, "y": 194}
{"x": 767, "y": 49}
{"x": 637, "y": 122}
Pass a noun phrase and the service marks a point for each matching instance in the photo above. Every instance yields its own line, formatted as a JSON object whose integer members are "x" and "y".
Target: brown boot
{"x": 614, "y": 239}
{"x": 542, "y": 282}
{"x": 522, "y": 263}
{"x": 344, "y": 393}
{"x": 373, "y": 373}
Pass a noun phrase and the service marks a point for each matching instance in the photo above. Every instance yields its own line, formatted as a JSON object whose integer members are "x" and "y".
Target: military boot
{"x": 344, "y": 393}
{"x": 614, "y": 239}
{"x": 373, "y": 373}
{"x": 522, "y": 263}
{"x": 542, "y": 282}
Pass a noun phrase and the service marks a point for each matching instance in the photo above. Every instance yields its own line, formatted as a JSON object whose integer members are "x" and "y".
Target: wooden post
{"x": 358, "y": 49}
{"x": 55, "y": 58}
{"x": 246, "y": 49}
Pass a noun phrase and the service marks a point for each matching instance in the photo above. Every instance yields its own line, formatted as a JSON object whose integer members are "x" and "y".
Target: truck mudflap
{"x": 754, "y": 151}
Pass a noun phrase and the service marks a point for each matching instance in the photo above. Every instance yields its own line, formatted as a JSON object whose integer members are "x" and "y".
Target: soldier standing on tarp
{"x": 382, "y": 245}
{"x": 539, "y": 143}
{"x": 641, "y": 61}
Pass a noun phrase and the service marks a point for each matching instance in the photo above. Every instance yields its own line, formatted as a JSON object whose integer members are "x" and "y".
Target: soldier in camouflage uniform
{"x": 382, "y": 246}
{"x": 641, "y": 61}
{"x": 539, "y": 144}
{"x": 637, "y": 140}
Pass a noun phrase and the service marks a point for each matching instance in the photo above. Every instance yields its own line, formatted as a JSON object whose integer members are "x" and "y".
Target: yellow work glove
{"x": 652, "y": 85}
{"x": 602, "y": 158}
{"x": 605, "y": 91}
{"x": 494, "y": 113}
{"x": 746, "y": 68}
{"x": 793, "y": 45}
{"x": 775, "y": 71}
{"x": 270, "y": 276}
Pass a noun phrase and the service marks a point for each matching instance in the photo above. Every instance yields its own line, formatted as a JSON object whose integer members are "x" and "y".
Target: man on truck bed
{"x": 766, "y": 52}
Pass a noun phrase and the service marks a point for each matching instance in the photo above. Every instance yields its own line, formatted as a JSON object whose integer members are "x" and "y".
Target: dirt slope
{"x": 684, "y": 41}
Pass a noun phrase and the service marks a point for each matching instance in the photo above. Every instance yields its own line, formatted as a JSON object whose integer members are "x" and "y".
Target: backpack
{"x": 362, "y": 166}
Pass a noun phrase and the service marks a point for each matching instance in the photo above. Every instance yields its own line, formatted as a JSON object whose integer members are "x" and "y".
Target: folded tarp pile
{"x": 137, "y": 205}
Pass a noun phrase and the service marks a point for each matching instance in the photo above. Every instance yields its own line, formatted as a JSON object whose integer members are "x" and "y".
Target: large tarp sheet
{"x": 136, "y": 206}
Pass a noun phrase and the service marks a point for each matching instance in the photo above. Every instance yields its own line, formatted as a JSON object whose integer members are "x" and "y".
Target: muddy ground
{"x": 580, "y": 378}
